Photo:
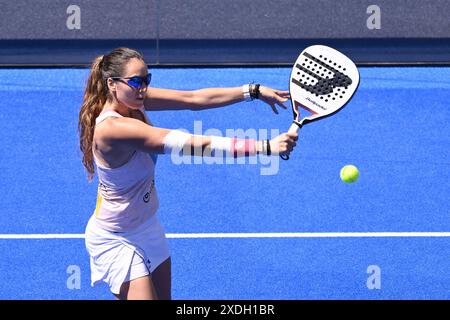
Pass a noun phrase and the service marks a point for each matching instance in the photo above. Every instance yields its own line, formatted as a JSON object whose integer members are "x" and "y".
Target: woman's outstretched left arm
{"x": 167, "y": 99}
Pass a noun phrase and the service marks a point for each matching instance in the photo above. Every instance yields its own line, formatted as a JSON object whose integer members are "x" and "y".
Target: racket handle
{"x": 292, "y": 129}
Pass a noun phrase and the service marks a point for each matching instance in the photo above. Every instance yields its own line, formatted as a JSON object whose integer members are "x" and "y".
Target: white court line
{"x": 252, "y": 235}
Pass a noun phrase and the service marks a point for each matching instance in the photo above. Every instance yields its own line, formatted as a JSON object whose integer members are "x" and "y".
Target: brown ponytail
{"x": 96, "y": 95}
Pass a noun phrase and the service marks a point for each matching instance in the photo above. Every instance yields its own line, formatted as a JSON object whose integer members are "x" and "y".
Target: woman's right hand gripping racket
{"x": 322, "y": 81}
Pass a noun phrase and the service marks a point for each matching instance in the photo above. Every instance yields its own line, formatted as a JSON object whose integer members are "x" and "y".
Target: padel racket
{"x": 322, "y": 81}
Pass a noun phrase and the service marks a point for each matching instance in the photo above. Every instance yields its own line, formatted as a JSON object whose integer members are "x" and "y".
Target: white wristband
{"x": 175, "y": 140}
{"x": 220, "y": 146}
{"x": 246, "y": 92}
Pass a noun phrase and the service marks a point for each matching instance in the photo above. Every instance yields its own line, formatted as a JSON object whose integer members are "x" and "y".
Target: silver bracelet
{"x": 246, "y": 92}
{"x": 264, "y": 147}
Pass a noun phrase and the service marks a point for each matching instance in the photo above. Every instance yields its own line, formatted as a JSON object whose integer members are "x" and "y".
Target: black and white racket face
{"x": 322, "y": 81}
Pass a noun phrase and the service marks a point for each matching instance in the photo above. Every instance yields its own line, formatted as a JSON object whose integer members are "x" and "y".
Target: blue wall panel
{"x": 173, "y": 32}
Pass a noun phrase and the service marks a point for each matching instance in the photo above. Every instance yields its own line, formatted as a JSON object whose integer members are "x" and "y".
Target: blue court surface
{"x": 267, "y": 229}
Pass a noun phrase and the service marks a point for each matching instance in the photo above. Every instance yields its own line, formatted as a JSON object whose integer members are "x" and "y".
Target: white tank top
{"x": 126, "y": 195}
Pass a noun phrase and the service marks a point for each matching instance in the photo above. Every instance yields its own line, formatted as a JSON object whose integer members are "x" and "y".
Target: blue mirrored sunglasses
{"x": 136, "y": 82}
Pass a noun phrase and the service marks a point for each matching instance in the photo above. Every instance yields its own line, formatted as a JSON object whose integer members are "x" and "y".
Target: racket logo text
{"x": 316, "y": 104}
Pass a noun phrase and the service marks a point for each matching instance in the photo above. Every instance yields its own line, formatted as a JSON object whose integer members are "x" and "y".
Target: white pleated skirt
{"x": 116, "y": 258}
